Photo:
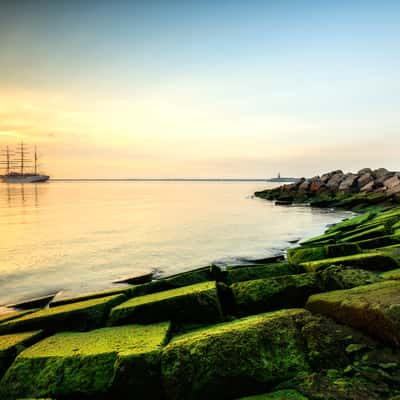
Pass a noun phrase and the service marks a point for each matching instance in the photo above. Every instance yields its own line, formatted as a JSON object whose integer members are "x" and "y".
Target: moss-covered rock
{"x": 373, "y": 309}
{"x": 252, "y": 297}
{"x": 352, "y": 223}
{"x": 230, "y": 360}
{"x": 370, "y": 233}
{"x": 394, "y": 274}
{"x": 199, "y": 275}
{"x": 8, "y": 316}
{"x": 336, "y": 278}
{"x": 118, "y": 362}
{"x": 83, "y": 315}
{"x": 298, "y": 255}
{"x": 381, "y": 241}
{"x": 278, "y": 395}
{"x": 11, "y": 345}
{"x": 259, "y": 272}
{"x": 326, "y": 238}
{"x": 90, "y": 296}
{"x": 371, "y": 261}
{"x": 194, "y": 303}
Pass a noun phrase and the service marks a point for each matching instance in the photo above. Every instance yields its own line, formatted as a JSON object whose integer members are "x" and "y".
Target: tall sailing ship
{"x": 18, "y": 167}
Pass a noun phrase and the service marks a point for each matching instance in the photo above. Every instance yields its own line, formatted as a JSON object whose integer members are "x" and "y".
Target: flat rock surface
{"x": 89, "y": 364}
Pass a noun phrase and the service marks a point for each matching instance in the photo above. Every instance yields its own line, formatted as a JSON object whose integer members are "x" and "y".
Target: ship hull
{"x": 25, "y": 179}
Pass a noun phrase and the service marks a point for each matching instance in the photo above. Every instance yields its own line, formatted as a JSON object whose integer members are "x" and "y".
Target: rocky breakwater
{"x": 350, "y": 190}
{"x": 322, "y": 324}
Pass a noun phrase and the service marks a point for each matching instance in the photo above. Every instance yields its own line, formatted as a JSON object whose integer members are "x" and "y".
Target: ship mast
{"x": 35, "y": 161}
{"x": 23, "y": 161}
{"x": 7, "y": 163}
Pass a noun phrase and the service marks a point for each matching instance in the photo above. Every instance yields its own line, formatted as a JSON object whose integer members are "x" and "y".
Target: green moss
{"x": 380, "y": 241}
{"x": 13, "y": 315}
{"x": 204, "y": 274}
{"x": 114, "y": 361}
{"x": 391, "y": 275}
{"x": 278, "y": 395}
{"x": 83, "y": 315}
{"x": 326, "y": 238}
{"x": 259, "y": 272}
{"x": 335, "y": 278}
{"x": 90, "y": 296}
{"x": 366, "y": 234}
{"x": 233, "y": 359}
{"x": 371, "y": 261}
{"x": 11, "y": 345}
{"x": 373, "y": 309}
{"x": 262, "y": 295}
{"x": 352, "y": 223}
{"x": 195, "y": 303}
{"x": 298, "y": 255}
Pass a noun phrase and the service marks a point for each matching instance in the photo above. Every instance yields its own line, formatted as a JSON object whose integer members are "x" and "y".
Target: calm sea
{"x": 78, "y": 237}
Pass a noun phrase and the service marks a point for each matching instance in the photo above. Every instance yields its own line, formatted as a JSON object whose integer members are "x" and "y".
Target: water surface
{"x": 80, "y": 236}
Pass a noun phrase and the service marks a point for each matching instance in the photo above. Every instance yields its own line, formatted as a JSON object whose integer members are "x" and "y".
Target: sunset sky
{"x": 238, "y": 89}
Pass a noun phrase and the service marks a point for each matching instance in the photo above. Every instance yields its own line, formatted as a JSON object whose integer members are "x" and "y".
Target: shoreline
{"x": 321, "y": 323}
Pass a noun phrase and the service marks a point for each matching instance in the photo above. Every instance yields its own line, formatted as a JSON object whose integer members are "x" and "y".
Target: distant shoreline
{"x": 172, "y": 180}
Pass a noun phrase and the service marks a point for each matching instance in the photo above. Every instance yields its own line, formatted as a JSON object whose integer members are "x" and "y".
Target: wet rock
{"x": 83, "y": 315}
{"x": 348, "y": 183}
{"x": 12, "y": 345}
{"x": 108, "y": 362}
{"x": 373, "y": 309}
{"x": 194, "y": 303}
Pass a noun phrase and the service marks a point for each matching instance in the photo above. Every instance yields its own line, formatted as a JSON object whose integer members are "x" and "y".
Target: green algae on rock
{"x": 194, "y": 303}
{"x": 114, "y": 362}
{"x": 14, "y": 315}
{"x": 297, "y": 255}
{"x": 11, "y": 345}
{"x": 259, "y": 272}
{"x": 394, "y": 274}
{"x": 278, "y": 395}
{"x": 374, "y": 309}
{"x": 372, "y": 261}
{"x": 233, "y": 359}
{"x": 289, "y": 291}
{"x": 199, "y": 275}
{"x": 90, "y": 296}
{"x": 82, "y": 316}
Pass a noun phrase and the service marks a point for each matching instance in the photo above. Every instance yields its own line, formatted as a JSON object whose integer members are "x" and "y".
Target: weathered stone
{"x": 304, "y": 186}
{"x": 364, "y": 179}
{"x": 316, "y": 186}
{"x": 369, "y": 187}
{"x": 394, "y": 190}
{"x": 374, "y": 309}
{"x": 334, "y": 182}
{"x": 380, "y": 173}
{"x": 373, "y": 261}
{"x": 194, "y": 303}
{"x": 392, "y": 182}
{"x": 260, "y": 295}
{"x": 12, "y": 345}
{"x": 348, "y": 183}
{"x": 83, "y": 315}
{"x": 118, "y": 362}
{"x": 364, "y": 171}
{"x": 233, "y": 359}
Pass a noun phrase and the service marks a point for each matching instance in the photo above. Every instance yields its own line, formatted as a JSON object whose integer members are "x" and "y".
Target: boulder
{"x": 118, "y": 362}
{"x": 373, "y": 309}
{"x": 83, "y": 315}
{"x": 369, "y": 187}
{"x": 364, "y": 179}
{"x": 12, "y": 345}
{"x": 395, "y": 190}
{"x": 391, "y": 182}
{"x": 364, "y": 171}
{"x": 237, "y": 358}
{"x": 194, "y": 303}
{"x": 374, "y": 261}
{"x": 259, "y": 272}
{"x": 348, "y": 183}
{"x": 317, "y": 186}
{"x": 334, "y": 182}
{"x": 380, "y": 173}
{"x": 260, "y": 295}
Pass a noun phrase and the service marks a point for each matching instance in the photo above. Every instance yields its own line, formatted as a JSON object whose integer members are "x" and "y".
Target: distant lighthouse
{"x": 279, "y": 175}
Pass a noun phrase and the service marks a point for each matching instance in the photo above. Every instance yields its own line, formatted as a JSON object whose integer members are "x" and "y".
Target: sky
{"x": 197, "y": 89}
